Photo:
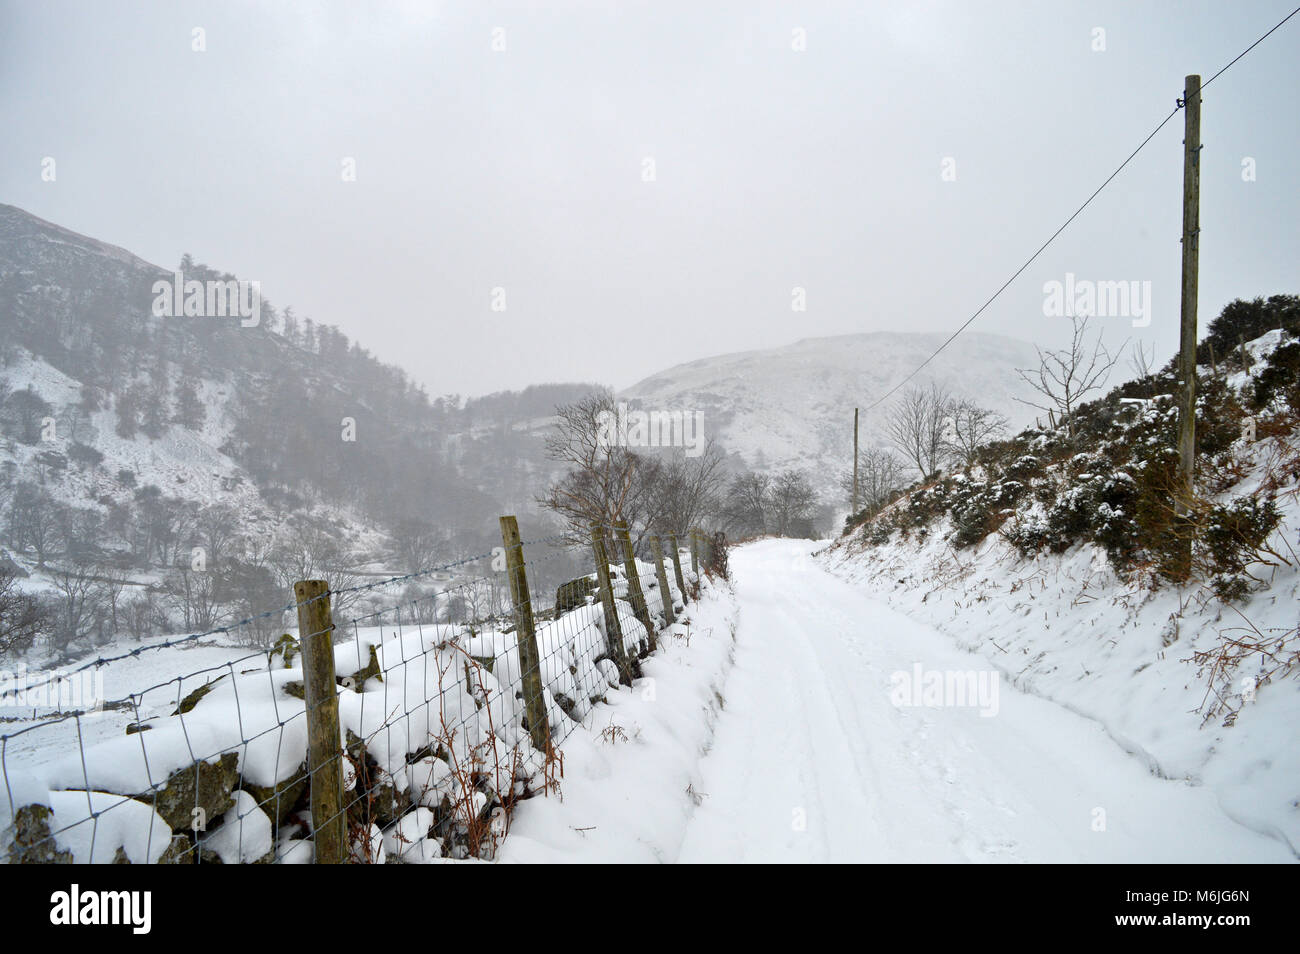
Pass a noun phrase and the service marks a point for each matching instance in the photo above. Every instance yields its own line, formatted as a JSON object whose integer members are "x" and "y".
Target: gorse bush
{"x": 1280, "y": 377}
{"x": 1234, "y": 535}
{"x": 1157, "y": 521}
{"x": 1245, "y": 321}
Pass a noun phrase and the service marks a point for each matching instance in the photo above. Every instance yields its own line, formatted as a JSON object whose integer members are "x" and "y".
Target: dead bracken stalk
{"x": 467, "y": 773}
{"x": 1277, "y": 656}
{"x": 613, "y": 734}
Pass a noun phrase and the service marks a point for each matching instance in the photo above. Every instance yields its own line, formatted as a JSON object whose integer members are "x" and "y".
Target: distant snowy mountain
{"x": 793, "y": 406}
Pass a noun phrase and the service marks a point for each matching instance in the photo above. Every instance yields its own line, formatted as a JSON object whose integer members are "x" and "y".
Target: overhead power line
{"x": 1032, "y": 258}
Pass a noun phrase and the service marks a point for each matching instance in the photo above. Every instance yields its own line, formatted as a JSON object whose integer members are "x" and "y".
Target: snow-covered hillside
{"x": 793, "y": 406}
{"x": 181, "y": 462}
{"x": 213, "y": 409}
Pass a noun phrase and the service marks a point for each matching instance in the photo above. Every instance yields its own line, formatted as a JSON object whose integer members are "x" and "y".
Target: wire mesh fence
{"x": 403, "y": 728}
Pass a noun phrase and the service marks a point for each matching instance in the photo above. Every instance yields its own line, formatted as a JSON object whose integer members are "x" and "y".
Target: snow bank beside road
{"x": 1066, "y": 628}
{"x": 631, "y": 775}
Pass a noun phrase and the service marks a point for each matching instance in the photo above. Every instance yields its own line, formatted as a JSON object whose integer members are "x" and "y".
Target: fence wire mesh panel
{"x": 411, "y": 715}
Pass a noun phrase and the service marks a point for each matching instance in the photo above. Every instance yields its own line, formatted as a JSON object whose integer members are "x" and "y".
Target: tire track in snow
{"x": 808, "y": 724}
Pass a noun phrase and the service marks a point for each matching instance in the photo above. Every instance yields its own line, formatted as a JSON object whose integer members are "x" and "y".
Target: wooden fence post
{"x": 661, "y": 578}
{"x": 634, "y": 592}
{"x": 677, "y": 566}
{"x": 324, "y": 745}
{"x": 530, "y": 660}
{"x": 695, "y": 554}
{"x": 613, "y": 628}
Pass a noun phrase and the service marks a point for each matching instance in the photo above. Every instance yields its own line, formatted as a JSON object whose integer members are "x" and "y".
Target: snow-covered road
{"x": 813, "y": 760}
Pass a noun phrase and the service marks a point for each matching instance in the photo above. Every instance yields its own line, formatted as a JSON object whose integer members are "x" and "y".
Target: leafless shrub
{"x": 1064, "y": 378}
{"x": 969, "y": 428}
{"x": 880, "y": 477}
{"x": 605, "y": 483}
{"x": 916, "y": 424}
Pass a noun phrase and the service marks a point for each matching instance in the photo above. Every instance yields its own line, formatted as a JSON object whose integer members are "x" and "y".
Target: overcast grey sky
{"x": 774, "y": 167}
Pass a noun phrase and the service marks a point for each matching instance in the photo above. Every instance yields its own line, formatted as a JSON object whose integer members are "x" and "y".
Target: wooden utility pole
{"x": 855, "y": 462}
{"x": 320, "y": 693}
{"x": 1187, "y": 314}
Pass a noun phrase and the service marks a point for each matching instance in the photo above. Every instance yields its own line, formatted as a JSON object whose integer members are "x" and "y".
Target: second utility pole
{"x": 855, "y": 463}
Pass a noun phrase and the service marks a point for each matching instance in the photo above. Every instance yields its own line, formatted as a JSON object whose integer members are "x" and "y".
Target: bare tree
{"x": 748, "y": 503}
{"x": 34, "y": 521}
{"x": 605, "y": 482}
{"x": 792, "y": 503}
{"x": 216, "y": 528}
{"x": 915, "y": 425}
{"x": 195, "y": 593}
{"x": 143, "y": 616}
{"x": 880, "y": 476}
{"x": 78, "y": 531}
{"x": 416, "y": 543}
{"x": 77, "y": 606}
{"x": 250, "y": 590}
{"x": 308, "y": 552}
{"x": 456, "y": 609}
{"x": 23, "y": 616}
{"x": 164, "y": 527}
{"x": 688, "y": 489}
{"x": 1066, "y": 377}
{"x": 112, "y": 581}
{"x": 1141, "y": 363}
{"x": 969, "y": 428}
